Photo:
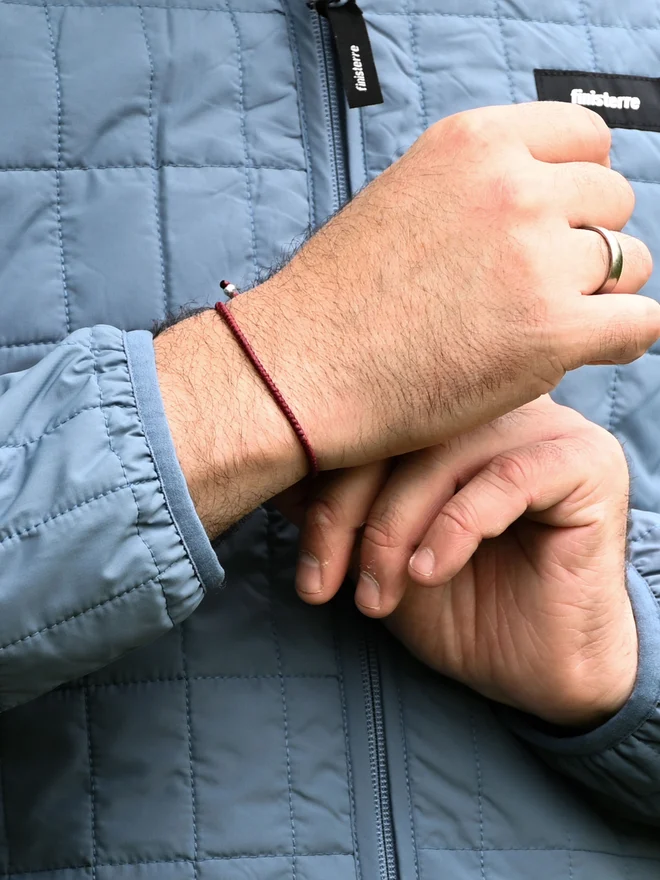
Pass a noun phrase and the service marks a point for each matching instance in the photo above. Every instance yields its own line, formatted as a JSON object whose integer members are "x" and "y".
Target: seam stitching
{"x": 58, "y": 180}
{"x": 3, "y": 804}
{"x": 363, "y": 142}
{"x": 505, "y": 50}
{"x": 431, "y": 12}
{"x": 89, "y": 610}
{"x": 92, "y": 780}
{"x": 404, "y": 741}
{"x": 20, "y": 533}
{"x": 300, "y": 98}
{"x": 165, "y": 6}
{"x": 53, "y": 428}
{"x": 418, "y": 73}
{"x": 317, "y": 27}
{"x": 191, "y": 762}
{"x": 216, "y": 858}
{"x": 347, "y": 748}
{"x": 138, "y": 512}
{"x": 587, "y": 29}
{"x": 644, "y": 535}
{"x": 177, "y": 679}
{"x": 597, "y": 74}
{"x": 246, "y": 148}
{"x": 257, "y": 166}
{"x": 280, "y": 676}
{"x": 155, "y": 174}
{"x": 492, "y": 849}
{"x": 480, "y": 800}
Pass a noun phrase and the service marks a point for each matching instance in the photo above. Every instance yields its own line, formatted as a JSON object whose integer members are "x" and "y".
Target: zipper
{"x": 334, "y": 107}
{"x": 368, "y": 650}
{"x": 378, "y": 754}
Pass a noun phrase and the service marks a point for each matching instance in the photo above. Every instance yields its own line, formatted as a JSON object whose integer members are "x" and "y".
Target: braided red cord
{"x": 276, "y": 394}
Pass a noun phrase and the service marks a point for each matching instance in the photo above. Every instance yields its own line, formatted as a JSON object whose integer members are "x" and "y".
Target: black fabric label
{"x": 623, "y": 101}
{"x": 356, "y": 60}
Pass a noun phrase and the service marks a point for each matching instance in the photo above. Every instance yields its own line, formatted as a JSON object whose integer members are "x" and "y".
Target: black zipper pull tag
{"x": 356, "y": 60}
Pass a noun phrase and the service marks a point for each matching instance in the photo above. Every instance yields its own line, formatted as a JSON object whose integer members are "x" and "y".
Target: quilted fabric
{"x": 146, "y": 151}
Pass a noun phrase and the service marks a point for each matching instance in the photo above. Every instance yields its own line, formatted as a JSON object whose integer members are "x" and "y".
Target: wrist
{"x": 604, "y": 685}
{"x": 235, "y": 447}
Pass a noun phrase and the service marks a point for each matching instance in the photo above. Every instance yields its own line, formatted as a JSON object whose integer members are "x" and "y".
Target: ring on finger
{"x": 615, "y": 268}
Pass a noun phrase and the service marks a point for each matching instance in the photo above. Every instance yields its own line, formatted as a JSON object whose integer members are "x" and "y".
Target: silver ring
{"x": 616, "y": 258}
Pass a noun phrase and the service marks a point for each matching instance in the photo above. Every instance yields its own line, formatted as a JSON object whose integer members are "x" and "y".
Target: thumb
{"x": 616, "y": 328}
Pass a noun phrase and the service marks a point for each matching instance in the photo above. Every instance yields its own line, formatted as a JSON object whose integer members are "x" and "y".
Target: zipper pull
{"x": 356, "y": 60}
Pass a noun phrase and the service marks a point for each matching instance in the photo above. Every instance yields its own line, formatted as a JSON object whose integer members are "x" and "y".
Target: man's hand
{"x": 449, "y": 291}
{"x": 516, "y": 585}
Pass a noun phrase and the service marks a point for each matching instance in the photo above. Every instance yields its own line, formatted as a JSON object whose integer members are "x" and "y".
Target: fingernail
{"x": 367, "y": 592}
{"x": 308, "y": 576}
{"x": 423, "y": 561}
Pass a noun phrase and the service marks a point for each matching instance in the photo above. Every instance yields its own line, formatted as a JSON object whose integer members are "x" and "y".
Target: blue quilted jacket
{"x": 163, "y": 720}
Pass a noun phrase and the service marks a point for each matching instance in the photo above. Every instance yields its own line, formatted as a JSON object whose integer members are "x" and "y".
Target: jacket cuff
{"x": 142, "y": 369}
{"x": 642, "y": 707}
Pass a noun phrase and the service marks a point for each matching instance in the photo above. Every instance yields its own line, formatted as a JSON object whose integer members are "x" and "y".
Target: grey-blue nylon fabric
{"x": 162, "y": 727}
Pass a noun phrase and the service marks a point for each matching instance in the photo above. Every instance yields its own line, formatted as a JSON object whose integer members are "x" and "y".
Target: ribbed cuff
{"x": 142, "y": 367}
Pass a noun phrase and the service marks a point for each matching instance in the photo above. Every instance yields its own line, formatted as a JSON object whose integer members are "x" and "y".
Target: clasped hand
{"x": 498, "y": 558}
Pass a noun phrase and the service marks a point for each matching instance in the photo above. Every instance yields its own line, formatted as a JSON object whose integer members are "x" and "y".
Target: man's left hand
{"x": 517, "y": 583}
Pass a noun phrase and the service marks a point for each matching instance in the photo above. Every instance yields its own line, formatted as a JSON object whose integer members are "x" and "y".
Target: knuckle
{"x": 627, "y": 193}
{"x": 604, "y": 446}
{"x": 383, "y": 531}
{"x": 470, "y": 129}
{"x": 512, "y": 194}
{"x": 325, "y": 514}
{"x": 509, "y": 468}
{"x": 459, "y": 517}
{"x": 602, "y": 130}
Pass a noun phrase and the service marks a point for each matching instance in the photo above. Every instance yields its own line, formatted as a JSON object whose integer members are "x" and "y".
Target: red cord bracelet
{"x": 275, "y": 393}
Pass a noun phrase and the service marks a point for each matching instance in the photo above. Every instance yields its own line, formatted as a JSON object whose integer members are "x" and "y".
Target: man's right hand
{"x": 449, "y": 291}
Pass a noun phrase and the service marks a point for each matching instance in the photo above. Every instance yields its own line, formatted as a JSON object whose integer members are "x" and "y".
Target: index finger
{"x": 557, "y": 132}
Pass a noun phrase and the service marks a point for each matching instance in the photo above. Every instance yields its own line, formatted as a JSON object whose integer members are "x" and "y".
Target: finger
{"x": 416, "y": 490}
{"x": 333, "y": 519}
{"x": 614, "y": 329}
{"x": 535, "y": 477}
{"x": 590, "y": 260}
{"x": 557, "y": 132}
{"x": 419, "y": 487}
{"x": 591, "y": 195}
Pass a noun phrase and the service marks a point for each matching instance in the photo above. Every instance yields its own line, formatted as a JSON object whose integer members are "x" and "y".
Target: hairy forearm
{"x": 235, "y": 447}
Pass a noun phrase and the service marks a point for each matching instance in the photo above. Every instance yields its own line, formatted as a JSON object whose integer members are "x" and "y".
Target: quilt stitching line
{"x": 92, "y": 779}
{"x": 302, "y": 112}
{"x": 53, "y": 428}
{"x": 347, "y": 750}
{"x": 155, "y": 174}
{"x": 406, "y": 765}
{"x": 505, "y": 50}
{"x": 257, "y": 166}
{"x": 418, "y": 72}
{"x": 280, "y": 677}
{"x": 480, "y": 798}
{"x": 58, "y": 179}
{"x": 89, "y": 610}
{"x": 19, "y": 533}
{"x": 244, "y": 138}
{"x": 191, "y": 760}
{"x": 134, "y": 864}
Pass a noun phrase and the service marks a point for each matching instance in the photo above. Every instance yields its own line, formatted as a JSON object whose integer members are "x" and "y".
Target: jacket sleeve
{"x": 620, "y": 761}
{"x": 101, "y": 549}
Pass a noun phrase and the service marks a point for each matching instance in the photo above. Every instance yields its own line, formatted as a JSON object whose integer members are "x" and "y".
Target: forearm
{"x": 235, "y": 447}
